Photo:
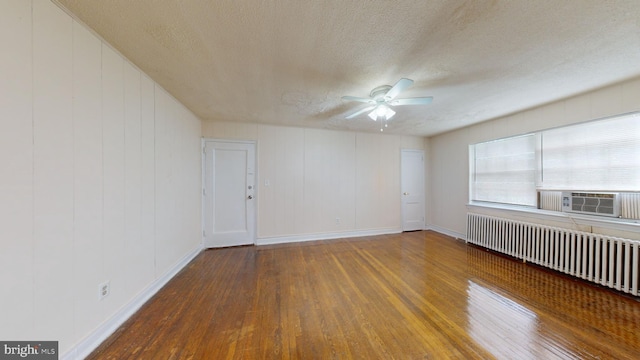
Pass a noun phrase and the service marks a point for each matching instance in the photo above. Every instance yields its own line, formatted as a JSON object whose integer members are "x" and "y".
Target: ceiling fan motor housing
{"x": 379, "y": 92}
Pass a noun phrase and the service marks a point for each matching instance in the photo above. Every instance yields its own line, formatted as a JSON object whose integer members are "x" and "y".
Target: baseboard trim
{"x": 325, "y": 236}
{"x": 83, "y": 348}
{"x": 448, "y": 232}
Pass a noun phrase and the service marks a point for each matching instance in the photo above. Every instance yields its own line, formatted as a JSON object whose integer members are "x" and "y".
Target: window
{"x": 602, "y": 155}
{"x": 505, "y": 171}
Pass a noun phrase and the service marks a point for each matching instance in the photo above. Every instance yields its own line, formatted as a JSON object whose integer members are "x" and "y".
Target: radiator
{"x": 605, "y": 260}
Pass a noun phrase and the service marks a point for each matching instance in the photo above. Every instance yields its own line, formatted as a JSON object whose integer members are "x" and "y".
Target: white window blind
{"x": 602, "y": 155}
{"x": 505, "y": 171}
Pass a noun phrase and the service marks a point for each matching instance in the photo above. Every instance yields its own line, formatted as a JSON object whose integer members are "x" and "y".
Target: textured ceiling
{"x": 289, "y": 62}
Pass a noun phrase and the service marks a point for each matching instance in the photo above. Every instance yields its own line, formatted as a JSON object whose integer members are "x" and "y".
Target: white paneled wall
{"x": 134, "y": 247}
{"x": 449, "y": 183}
{"x": 281, "y": 181}
{"x": 145, "y": 266}
{"x": 16, "y": 171}
{"x": 229, "y": 130}
{"x": 100, "y": 178}
{"x": 378, "y": 184}
{"x": 329, "y": 186}
{"x": 113, "y": 156}
{"x": 174, "y": 146}
{"x": 53, "y": 165}
{"x": 308, "y": 178}
{"x": 88, "y": 176}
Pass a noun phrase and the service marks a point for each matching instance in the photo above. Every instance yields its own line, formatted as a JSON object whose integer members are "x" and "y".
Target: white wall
{"x": 449, "y": 158}
{"x": 100, "y": 177}
{"x": 315, "y": 176}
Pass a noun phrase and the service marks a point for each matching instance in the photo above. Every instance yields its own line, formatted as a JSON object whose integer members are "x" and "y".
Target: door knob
{"x": 406, "y": 193}
{"x": 250, "y": 197}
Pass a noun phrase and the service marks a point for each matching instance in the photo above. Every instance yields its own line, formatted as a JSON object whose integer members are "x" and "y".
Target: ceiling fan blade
{"x": 412, "y": 101}
{"x": 397, "y": 88}
{"x": 359, "y": 99}
{"x": 362, "y": 111}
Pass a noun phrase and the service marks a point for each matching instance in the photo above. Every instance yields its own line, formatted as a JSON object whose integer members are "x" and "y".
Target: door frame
{"x": 203, "y": 185}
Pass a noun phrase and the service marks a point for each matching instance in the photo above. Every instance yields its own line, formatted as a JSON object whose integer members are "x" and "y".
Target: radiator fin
{"x": 602, "y": 259}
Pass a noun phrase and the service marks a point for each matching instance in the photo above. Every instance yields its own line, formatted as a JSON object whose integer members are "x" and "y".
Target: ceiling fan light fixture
{"x": 381, "y": 111}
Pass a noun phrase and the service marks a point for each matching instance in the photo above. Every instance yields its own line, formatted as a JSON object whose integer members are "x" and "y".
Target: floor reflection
{"x": 515, "y": 308}
{"x": 501, "y": 326}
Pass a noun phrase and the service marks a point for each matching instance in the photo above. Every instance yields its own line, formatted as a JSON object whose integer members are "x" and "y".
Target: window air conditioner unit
{"x": 604, "y": 204}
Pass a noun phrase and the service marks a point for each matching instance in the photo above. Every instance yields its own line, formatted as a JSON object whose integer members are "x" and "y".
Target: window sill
{"x": 569, "y": 218}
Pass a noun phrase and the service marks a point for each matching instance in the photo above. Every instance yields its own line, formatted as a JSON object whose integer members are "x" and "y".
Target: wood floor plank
{"x": 417, "y": 295}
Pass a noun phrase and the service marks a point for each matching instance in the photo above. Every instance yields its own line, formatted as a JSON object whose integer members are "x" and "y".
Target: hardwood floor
{"x": 418, "y": 295}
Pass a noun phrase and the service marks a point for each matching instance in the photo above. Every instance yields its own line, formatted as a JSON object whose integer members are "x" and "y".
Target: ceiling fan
{"x": 382, "y": 98}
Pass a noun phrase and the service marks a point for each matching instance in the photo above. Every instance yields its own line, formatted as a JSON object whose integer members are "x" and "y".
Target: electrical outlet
{"x": 104, "y": 289}
{"x": 337, "y": 221}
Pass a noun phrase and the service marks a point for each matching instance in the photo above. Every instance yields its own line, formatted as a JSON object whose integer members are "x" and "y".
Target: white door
{"x": 229, "y": 193}
{"x": 412, "y": 187}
